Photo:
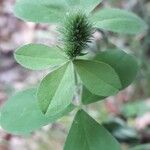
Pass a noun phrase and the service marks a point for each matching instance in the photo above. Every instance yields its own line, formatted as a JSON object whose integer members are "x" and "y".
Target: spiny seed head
{"x": 77, "y": 33}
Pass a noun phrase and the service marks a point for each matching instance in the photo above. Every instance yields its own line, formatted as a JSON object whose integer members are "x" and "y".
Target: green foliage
{"x": 110, "y": 19}
{"x": 38, "y": 56}
{"x": 104, "y": 75}
{"x": 98, "y": 77}
{"x": 21, "y": 114}
{"x": 119, "y": 21}
{"x": 87, "y": 134}
{"x": 50, "y": 11}
{"x": 38, "y": 11}
{"x": 124, "y": 64}
{"x": 87, "y": 6}
{"x": 57, "y": 89}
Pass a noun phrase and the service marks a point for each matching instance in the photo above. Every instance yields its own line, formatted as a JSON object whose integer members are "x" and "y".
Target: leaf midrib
{"x": 85, "y": 135}
{"x": 61, "y": 79}
{"x": 45, "y": 58}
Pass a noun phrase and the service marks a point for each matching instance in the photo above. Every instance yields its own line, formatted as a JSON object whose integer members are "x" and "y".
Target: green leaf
{"x": 57, "y": 89}
{"x": 88, "y": 97}
{"x": 87, "y": 134}
{"x": 124, "y": 64}
{"x": 98, "y": 77}
{"x": 41, "y": 11}
{"x": 21, "y": 114}
{"x": 119, "y": 21}
{"x": 87, "y": 6}
{"x": 38, "y": 56}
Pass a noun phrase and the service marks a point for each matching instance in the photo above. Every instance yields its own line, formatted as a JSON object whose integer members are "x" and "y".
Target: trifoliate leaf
{"x": 87, "y": 134}
{"x": 124, "y": 64}
{"x": 98, "y": 77}
{"x": 38, "y": 56}
{"x": 57, "y": 89}
{"x": 21, "y": 114}
{"x": 41, "y": 11}
{"x": 119, "y": 21}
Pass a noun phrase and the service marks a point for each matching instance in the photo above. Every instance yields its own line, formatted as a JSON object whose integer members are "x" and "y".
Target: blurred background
{"x": 126, "y": 116}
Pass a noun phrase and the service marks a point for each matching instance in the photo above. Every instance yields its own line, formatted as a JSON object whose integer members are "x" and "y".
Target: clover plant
{"x": 97, "y": 77}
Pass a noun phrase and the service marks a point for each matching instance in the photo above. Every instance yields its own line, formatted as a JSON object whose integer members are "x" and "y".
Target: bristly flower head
{"x": 77, "y": 33}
